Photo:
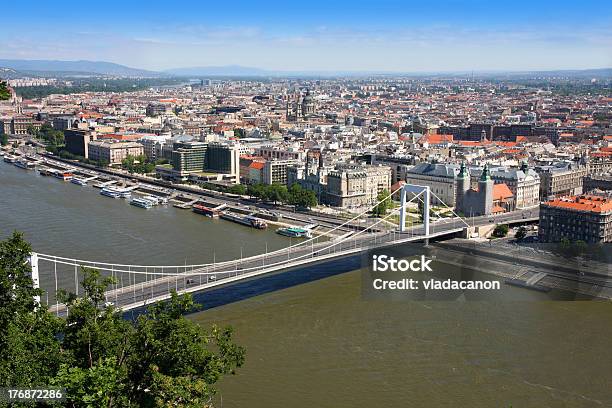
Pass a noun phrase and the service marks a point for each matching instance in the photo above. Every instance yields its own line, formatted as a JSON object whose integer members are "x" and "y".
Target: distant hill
{"x": 226, "y": 70}
{"x": 71, "y": 68}
{"x": 13, "y": 68}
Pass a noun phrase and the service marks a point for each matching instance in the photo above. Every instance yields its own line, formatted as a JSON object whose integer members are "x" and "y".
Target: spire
{"x": 463, "y": 171}
{"x": 485, "y": 174}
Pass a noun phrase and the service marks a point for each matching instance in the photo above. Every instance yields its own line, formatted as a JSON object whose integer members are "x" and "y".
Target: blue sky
{"x": 315, "y": 35}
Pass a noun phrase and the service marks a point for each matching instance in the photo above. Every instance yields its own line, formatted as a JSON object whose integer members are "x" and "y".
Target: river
{"x": 320, "y": 343}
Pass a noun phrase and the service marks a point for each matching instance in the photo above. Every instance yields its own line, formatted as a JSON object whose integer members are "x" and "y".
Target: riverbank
{"x": 535, "y": 268}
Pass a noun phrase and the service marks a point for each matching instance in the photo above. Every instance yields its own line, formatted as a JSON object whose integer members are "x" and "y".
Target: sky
{"x": 395, "y": 36}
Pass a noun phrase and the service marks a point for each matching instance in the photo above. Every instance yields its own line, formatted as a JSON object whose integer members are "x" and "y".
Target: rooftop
{"x": 588, "y": 203}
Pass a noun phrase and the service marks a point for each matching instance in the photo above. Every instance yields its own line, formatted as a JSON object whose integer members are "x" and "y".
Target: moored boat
{"x": 203, "y": 210}
{"x": 78, "y": 181}
{"x": 24, "y": 164}
{"x": 63, "y": 175}
{"x": 114, "y": 191}
{"x": 141, "y": 202}
{"x": 294, "y": 232}
{"x": 109, "y": 193}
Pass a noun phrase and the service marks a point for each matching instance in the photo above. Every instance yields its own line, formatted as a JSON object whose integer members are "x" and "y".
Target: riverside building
{"x": 576, "y": 218}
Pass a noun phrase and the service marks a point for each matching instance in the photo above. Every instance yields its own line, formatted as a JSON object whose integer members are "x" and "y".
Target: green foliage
{"x": 239, "y": 189}
{"x": 96, "y": 85}
{"x": 501, "y": 231}
{"x": 29, "y": 350}
{"x": 381, "y": 209}
{"x": 47, "y": 133}
{"x": 3, "y": 139}
{"x": 138, "y": 164}
{"x": 103, "y": 360}
{"x": 301, "y": 197}
{"x": 239, "y": 133}
{"x": 278, "y": 193}
{"x": 521, "y": 233}
{"x": 5, "y": 94}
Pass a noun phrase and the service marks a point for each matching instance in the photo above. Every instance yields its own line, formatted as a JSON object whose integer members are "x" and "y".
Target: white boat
{"x": 153, "y": 199}
{"x": 10, "y": 159}
{"x": 110, "y": 193}
{"x": 141, "y": 202}
{"x": 78, "y": 181}
{"x": 294, "y": 232}
{"x": 114, "y": 191}
{"x": 24, "y": 164}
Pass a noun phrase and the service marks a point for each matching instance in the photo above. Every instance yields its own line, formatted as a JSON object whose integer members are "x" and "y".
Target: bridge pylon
{"x": 416, "y": 190}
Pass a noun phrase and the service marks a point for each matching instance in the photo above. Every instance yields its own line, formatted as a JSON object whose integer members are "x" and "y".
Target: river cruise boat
{"x": 63, "y": 175}
{"x": 44, "y": 171}
{"x": 78, "y": 181}
{"x": 24, "y": 164}
{"x": 294, "y": 232}
{"x": 247, "y": 220}
{"x": 203, "y": 210}
{"x": 110, "y": 193}
{"x": 141, "y": 202}
{"x": 116, "y": 192}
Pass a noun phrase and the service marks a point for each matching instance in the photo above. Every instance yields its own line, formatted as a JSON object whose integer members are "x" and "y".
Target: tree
{"x": 384, "y": 203}
{"x": 102, "y": 359}
{"x": 501, "y": 231}
{"x": 239, "y": 189}
{"x": 29, "y": 349}
{"x": 5, "y": 94}
{"x": 521, "y": 233}
{"x": 3, "y": 139}
{"x": 299, "y": 197}
{"x": 255, "y": 190}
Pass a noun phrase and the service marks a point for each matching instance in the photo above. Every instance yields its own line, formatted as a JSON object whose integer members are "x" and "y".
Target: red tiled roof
{"x": 256, "y": 165}
{"x": 501, "y": 191}
{"x": 497, "y": 209}
{"x": 582, "y": 203}
{"x": 436, "y": 139}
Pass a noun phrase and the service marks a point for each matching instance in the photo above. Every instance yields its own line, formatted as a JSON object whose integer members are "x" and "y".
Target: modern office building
{"x": 275, "y": 171}
{"x": 223, "y": 158}
{"x": 189, "y": 157}
{"x": 77, "y": 141}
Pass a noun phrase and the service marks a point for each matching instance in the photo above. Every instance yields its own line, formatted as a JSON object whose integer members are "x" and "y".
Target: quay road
{"x": 312, "y": 251}
{"x": 218, "y": 198}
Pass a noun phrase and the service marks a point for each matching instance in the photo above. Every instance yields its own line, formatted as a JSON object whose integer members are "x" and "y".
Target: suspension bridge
{"x": 137, "y": 286}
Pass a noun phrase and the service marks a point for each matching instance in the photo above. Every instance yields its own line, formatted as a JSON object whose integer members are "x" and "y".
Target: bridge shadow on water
{"x": 235, "y": 292}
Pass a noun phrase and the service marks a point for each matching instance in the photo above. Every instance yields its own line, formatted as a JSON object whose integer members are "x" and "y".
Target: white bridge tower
{"x": 416, "y": 190}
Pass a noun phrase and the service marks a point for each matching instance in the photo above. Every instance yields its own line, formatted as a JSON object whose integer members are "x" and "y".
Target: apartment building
{"x": 576, "y": 218}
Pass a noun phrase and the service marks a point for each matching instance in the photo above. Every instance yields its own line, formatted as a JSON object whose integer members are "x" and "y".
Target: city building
{"x": 560, "y": 179}
{"x": 356, "y": 186}
{"x": 523, "y": 182}
{"x": 275, "y": 171}
{"x": 113, "y": 152}
{"x": 189, "y": 157}
{"x": 576, "y": 218}
{"x": 440, "y": 178}
{"x": 77, "y": 141}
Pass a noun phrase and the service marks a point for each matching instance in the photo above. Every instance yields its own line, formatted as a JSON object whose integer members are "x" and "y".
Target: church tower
{"x": 463, "y": 185}
{"x": 485, "y": 191}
